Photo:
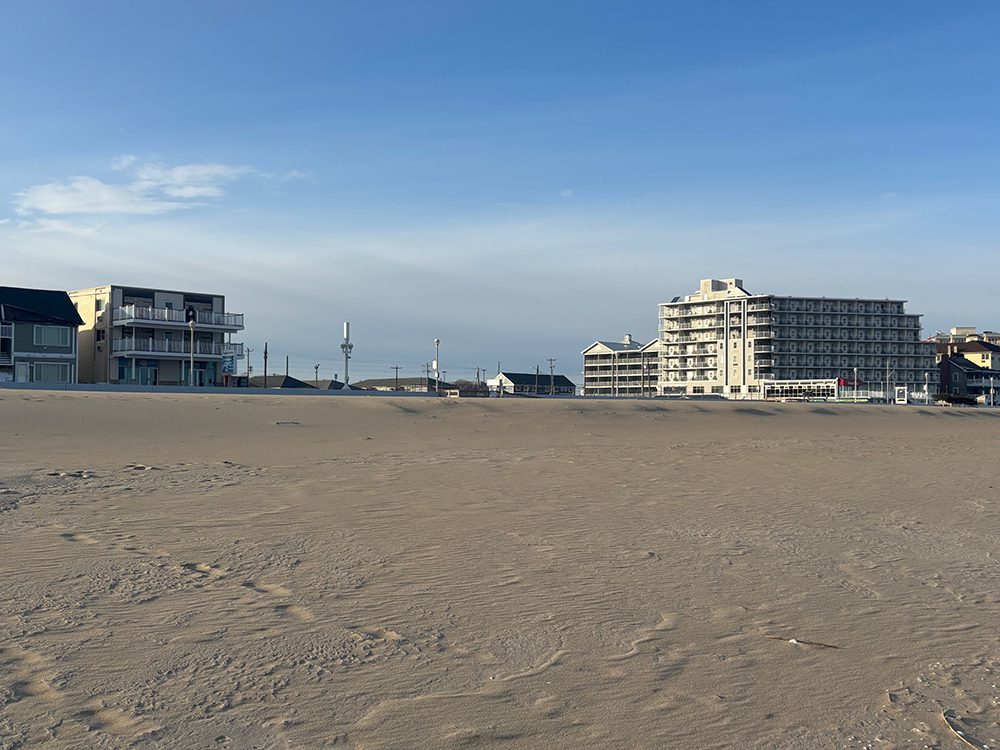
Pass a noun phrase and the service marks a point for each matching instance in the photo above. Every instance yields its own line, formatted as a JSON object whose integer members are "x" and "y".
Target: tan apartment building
{"x": 965, "y": 334}
{"x": 725, "y": 340}
{"x": 141, "y": 336}
{"x": 621, "y": 368}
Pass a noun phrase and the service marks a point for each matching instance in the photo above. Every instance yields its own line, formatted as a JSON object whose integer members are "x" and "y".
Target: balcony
{"x": 138, "y": 314}
{"x": 6, "y": 330}
{"x": 233, "y": 349}
{"x": 171, "y": 349}
{"x": 6, "y": 358}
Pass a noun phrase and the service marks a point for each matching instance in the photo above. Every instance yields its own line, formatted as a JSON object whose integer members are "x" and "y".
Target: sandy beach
{"x": 185, "y": 571}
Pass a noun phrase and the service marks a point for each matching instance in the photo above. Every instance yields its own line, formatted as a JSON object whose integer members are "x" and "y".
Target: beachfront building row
{"x": 727, "y": 341}
{"x": 142, "y": 336}
{"x": 38, "y": 336}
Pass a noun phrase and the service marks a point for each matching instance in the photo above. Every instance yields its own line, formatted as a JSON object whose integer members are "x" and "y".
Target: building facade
{"x": 530, "y": 384}
{"x": 38, "y": 336}
{"x": 970, "y": 368}
{"x": 621, "y": 368}
{"x": 724, "y": 340}
{"x": 140, "y": 336}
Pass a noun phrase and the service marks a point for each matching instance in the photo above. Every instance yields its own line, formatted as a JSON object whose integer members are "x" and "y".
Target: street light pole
{"x": 437, "y": 365}
{"x": 190, "y": 315}
{"x": 346, "y": 348}
{"x": 191, "y": 366}
{"x": 855, "y": 385}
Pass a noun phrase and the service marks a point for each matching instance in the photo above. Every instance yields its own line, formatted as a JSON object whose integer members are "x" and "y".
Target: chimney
{"x": 628, "y": 339}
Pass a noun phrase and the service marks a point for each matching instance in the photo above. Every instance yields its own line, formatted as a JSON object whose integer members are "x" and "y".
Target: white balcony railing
{"x": 6, "y": 358}
{"x": 162, "y": 346}
{"x": 127, "y": 313}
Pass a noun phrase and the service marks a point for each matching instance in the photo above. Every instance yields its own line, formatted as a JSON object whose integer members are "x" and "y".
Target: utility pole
{"x": 286, "y": 365}
{"x": 552, "y": 376}
{"x": 437, "y": 365}
{"x": 347, "y": 347}
{"x": 855, "y": 385}
{"x": 316, "y": 368}
{"x": 249, "y": 366}
{"x": 396, "y": 368}
{"x": 477, "y": 380}
{"x": 427, "y": 376}
{"x": 265, "y": 364}
{"x": 536, "y": 380}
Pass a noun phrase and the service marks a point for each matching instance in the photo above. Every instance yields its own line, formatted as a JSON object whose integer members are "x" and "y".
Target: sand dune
{"x": 289, "y": 572}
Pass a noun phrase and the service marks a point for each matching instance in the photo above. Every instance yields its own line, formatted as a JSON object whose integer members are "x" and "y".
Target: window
{"x": 51, "y": 372}
{"x": 168, "y": 305}
{"x": 99, "y": 305}
{"x": 100, "y": 334}
{"x": 52, "y": 336}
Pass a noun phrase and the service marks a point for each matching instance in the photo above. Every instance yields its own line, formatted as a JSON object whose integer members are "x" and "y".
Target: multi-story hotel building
{"x": 621, "y": 368}
{"x": 134, "y": 335}
{"x": 724, "y": 340}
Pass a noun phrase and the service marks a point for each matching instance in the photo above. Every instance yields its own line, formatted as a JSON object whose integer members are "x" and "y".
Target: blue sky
{"x": 516, "y": 178}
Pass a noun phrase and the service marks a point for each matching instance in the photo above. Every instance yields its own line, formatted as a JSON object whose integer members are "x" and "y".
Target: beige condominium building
{"x": 134, "y": 335}
{"x": 621, "y": 368}
{"x": 725, "y": 340}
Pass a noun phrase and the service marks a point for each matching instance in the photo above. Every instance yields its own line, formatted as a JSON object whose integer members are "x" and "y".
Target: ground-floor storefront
{"x": 137, "y": 371}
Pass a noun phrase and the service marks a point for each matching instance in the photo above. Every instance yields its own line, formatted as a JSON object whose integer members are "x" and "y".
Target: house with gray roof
{"x": 621, "y": 368}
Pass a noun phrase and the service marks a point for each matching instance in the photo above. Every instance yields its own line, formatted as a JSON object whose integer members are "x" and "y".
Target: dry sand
{"x": 299, "y": 572}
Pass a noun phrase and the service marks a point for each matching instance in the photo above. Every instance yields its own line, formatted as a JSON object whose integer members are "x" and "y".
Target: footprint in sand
{"x": 30, "y": 677}
{"x": 71, "y": 536}
{"x": 202, "y": 571}
{"x": 100, "y": 718}
{"x": 294, "y": 611}
{"x": 267, "y": 588}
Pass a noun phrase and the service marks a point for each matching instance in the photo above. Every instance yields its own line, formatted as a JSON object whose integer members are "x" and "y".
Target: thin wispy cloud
{"x": 147, "y": 188}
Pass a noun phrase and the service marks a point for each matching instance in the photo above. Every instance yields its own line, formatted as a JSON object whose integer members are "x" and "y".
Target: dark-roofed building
{"x": 531, "y": 384}
{"x": 279, "y": 381}
{"x": 960, "y": 377}
{"x": 419, "y": 385}
{"x": 328, "y": 384}
{"x": 970, "y": 368}
{"x": 621, "y": 368}
{"x": 38, "y": 336}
